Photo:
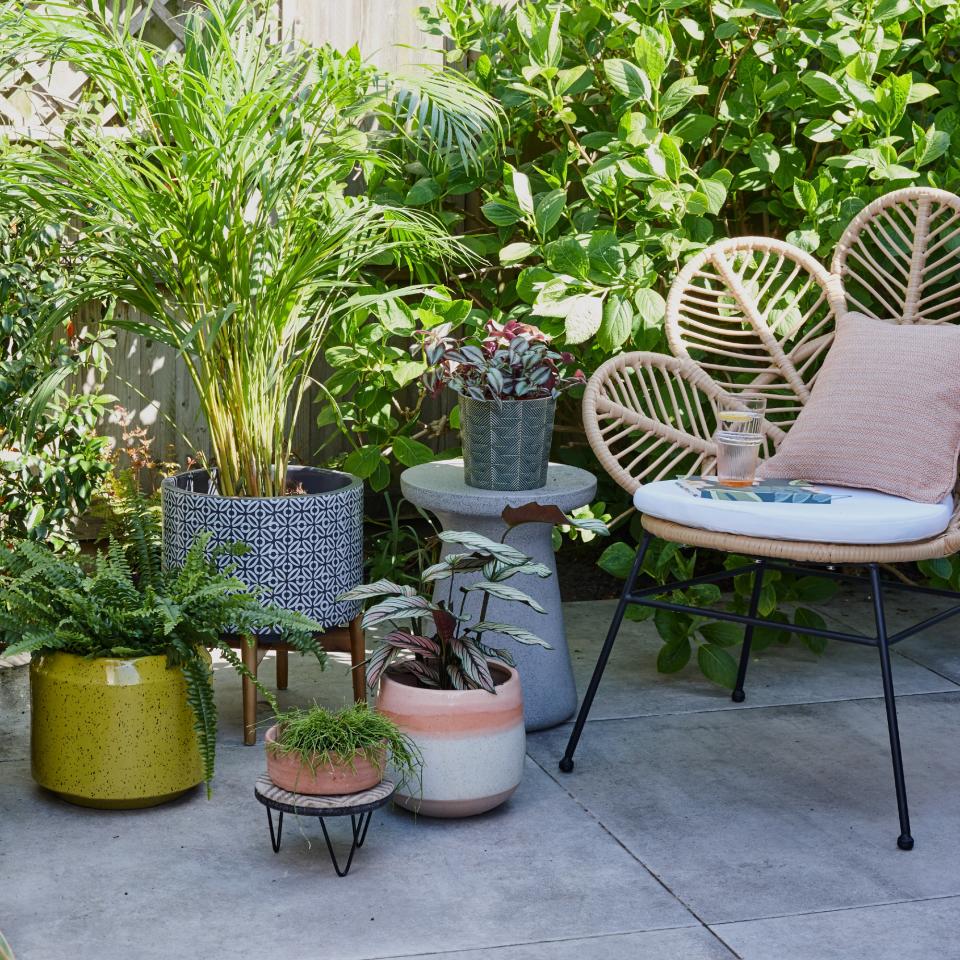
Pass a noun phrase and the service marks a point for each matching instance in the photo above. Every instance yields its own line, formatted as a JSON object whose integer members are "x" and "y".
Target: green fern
{"x": 122, "y": 603}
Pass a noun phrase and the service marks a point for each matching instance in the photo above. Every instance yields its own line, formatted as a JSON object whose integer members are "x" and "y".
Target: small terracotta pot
{"x": 336, "y": 777}
{"x": 473, "y": 743}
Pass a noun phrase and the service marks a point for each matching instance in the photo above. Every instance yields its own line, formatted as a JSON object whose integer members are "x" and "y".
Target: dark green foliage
{"x": 318, "y": 736}
{"x": 640, "y": 130}
{"x": 51, "y": 459}
{"x": 682, "y": 633}
{"x": 121, "y": 603}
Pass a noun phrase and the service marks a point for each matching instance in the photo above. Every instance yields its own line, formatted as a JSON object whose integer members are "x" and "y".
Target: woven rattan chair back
{"x": 747, "y": 313}
{"x": 899, "y": 258}
{"x": 756, "y": 313}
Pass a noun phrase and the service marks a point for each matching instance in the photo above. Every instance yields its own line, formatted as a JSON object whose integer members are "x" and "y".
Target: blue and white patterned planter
{"x": 306, "y": 548}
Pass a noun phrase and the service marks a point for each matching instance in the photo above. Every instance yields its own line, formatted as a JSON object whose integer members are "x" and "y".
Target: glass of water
{"x": 737, "y": 454}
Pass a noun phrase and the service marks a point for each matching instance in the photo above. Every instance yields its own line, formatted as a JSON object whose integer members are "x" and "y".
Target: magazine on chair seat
{"x": 760, "y": 491}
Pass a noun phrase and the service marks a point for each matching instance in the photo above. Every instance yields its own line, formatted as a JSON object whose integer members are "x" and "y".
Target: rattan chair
{"x": 760, "y": 312}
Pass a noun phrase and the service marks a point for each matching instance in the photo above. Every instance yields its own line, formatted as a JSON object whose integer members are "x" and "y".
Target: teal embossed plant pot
{"x": 506, "y": 444}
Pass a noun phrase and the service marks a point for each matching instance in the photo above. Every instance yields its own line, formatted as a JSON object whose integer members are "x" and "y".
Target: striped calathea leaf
{"x": 379, "y": 588}
{"x": 455, "y": 562}
{"x": 516, "y": 633}
{"x": 477, "y": 542}
{"x": 397, "y": 608}
{"x": 503, "y": 591}
{"x": 494, "y": 570}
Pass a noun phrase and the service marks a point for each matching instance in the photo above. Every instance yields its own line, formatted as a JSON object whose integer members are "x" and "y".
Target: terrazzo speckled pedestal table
{"x": 549, "y": 692}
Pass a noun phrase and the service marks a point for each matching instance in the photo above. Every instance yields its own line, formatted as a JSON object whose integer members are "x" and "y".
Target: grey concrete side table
{"x": 549, "y": 692}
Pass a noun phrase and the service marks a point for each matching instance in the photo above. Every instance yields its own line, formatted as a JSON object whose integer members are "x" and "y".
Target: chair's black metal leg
{"x": 905, "y": 840}
{"x": 353, "y": 847}
{"x": 738, "y": 695}
{"x": 566, "y": 762}
{"x": 275, "y": 839}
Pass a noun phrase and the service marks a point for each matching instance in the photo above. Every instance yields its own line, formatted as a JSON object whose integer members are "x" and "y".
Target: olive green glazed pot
{"x": 111, "y": 733}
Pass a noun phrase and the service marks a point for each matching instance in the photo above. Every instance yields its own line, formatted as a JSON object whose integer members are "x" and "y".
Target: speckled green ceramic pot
{"x": 111, "y": 733}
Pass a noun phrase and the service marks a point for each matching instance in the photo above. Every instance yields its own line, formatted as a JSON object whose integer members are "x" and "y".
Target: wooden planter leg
{"x": 282, "y": 668}
{"x": 249, "y": 653}
{"x": 358, "y": 654}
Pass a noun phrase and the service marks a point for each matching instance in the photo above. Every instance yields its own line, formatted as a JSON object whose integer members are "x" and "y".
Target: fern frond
{"x": 134, "y": 521}
{"x": 230, "y": 655}
{"x": 199, "y": 678}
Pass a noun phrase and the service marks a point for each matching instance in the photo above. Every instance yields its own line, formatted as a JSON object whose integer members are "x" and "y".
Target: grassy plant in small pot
{"x": 122, "y": 707}
{"x": 317, "y": 751}
{"x": 508, "y": 386}
{"x": 456, "y": 697}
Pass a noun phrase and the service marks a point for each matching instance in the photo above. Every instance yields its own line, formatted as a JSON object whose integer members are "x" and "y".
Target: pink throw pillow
{"x": 884, "y": 412}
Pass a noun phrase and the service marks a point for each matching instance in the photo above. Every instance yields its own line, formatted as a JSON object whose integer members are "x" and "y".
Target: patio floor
{"x": 692, "y": 828}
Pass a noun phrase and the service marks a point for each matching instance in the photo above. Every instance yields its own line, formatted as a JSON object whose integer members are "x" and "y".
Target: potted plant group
{"x": 458, "y": 699}
{"x": 121, "y": 685}
{"x": 318, "y": 751}
{"x": 507, "y": 388}
{"x": 222, "y": 224}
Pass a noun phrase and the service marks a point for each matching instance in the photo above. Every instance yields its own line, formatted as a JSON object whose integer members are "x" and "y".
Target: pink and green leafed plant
{"x": 433, "y": 640}
{"x": 514, "y": 362}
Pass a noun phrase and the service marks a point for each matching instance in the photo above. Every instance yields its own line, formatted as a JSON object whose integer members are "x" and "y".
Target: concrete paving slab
{"x": 781, "y": 674}
{"x": 924, "y": 930}
{"x": 764, "y": 812}
{"x": 199, "y": 878}
{"x": 14, "y": 713}
{"x": 938, "y": 649}
{"x": 690, "y": 943}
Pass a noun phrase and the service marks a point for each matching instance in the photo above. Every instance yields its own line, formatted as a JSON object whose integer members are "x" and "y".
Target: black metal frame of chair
{"x": 882, "y": 641}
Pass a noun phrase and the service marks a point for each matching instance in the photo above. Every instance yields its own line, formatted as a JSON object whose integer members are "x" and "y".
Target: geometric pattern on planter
{"x": 506, "y": 443}
{"x": 306, "y": 548}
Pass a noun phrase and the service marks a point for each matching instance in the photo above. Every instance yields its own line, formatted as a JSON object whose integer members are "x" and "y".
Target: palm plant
{"x": 222, "y": 211}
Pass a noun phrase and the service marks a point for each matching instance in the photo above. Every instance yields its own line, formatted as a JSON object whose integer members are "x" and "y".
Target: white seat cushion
{"x": 862, "y": 516}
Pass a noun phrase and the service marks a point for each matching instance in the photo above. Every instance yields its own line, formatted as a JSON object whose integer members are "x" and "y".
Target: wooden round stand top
{"x": 358, "y": 806}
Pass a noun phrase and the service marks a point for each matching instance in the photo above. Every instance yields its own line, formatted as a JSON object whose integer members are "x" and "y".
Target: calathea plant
{"x": 434, "y": 640}
{"x": 514, "y": 361}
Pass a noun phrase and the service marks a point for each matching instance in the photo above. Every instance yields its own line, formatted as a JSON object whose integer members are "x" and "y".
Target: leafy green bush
{"x": 639, "y": 131}
{"x": 783, "y": 598}
{"x": 51, "y": 458}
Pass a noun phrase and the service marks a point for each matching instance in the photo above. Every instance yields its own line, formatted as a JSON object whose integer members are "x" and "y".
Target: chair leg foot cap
{"x": 566, "y": 765}
{"x": 738, "y": 696}
{"x": 905, "y": 842}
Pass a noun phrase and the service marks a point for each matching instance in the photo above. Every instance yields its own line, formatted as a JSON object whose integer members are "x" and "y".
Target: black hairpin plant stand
{"x": 358, "y": 806}
{"x": 648, "y": 597}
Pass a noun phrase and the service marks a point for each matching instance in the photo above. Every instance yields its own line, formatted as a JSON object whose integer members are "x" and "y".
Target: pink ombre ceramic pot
{"x": 473, "y": 742}
{"x": 289, "y": 772}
